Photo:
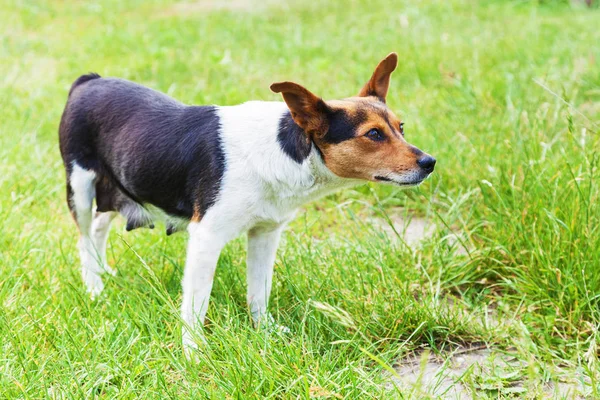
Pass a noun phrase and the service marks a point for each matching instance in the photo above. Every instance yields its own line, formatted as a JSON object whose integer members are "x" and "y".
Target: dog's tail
{"x": 83, "y": 79}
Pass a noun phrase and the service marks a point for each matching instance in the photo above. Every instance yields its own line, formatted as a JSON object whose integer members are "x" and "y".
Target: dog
{"x": 221, "y": 171}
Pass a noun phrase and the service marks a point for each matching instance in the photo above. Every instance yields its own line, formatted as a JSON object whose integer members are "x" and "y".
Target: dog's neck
{"x": 309, "y": 176}
{"x": 312, "y": 180}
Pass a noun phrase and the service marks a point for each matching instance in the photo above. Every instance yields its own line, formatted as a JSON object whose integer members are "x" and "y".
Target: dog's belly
{"x": 110, "y": 198}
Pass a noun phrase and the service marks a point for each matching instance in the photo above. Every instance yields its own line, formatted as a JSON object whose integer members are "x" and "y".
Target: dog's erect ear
{"x": 380, "y": 81}
{"x": 308, "y": 110}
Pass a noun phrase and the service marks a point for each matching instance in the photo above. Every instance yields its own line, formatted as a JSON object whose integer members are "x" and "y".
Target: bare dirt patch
{"x": 480, "y": 372}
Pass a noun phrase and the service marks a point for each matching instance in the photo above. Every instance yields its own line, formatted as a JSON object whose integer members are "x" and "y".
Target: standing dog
{"x": 221, "y": 171}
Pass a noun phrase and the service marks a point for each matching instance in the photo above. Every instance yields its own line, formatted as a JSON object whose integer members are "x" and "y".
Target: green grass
{"x": 505, "y": 94}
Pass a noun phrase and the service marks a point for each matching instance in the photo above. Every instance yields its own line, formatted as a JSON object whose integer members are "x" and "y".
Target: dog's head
{"x": 359, "y": 137}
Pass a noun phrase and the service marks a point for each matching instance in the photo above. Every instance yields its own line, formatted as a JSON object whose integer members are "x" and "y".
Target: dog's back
{"x": 179, "y": 161}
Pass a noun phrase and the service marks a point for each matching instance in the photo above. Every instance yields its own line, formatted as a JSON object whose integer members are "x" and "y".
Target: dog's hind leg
{"x": 100, "y": 229}
{"x": 81, "y": 195}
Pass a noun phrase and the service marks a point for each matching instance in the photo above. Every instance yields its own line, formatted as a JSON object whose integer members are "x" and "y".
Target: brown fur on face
{"x": 339, "y": 129}
{"x": 360, "y": 157}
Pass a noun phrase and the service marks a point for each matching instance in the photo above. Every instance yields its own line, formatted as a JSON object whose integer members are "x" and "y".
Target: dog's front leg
{"x": 262, "y": 247}
{"x": 204, "y": 246}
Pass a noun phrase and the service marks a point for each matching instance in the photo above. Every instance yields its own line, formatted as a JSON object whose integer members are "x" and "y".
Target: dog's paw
{"x": 267, "y": 322}
{"x": 190, "y": 351}
{"x": 93, "y": 283}
{"x": 190, "y": 344}
{"x": 109, "y": 270}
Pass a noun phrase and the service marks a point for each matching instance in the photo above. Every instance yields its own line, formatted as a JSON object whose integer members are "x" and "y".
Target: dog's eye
{"x": 375, "y": 134}
{"x": 402, "y": 128}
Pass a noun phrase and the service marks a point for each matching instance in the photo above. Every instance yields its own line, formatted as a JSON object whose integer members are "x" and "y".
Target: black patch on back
{"x": 144, "y": 146}
{"x": 171, "y": 159}
{"x": 292, "y": 139}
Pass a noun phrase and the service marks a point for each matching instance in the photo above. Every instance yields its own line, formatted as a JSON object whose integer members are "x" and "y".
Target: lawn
{"x": 505, "y": 94}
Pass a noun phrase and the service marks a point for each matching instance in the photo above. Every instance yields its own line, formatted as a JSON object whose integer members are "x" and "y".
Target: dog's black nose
{"x": 427, "y": 163}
